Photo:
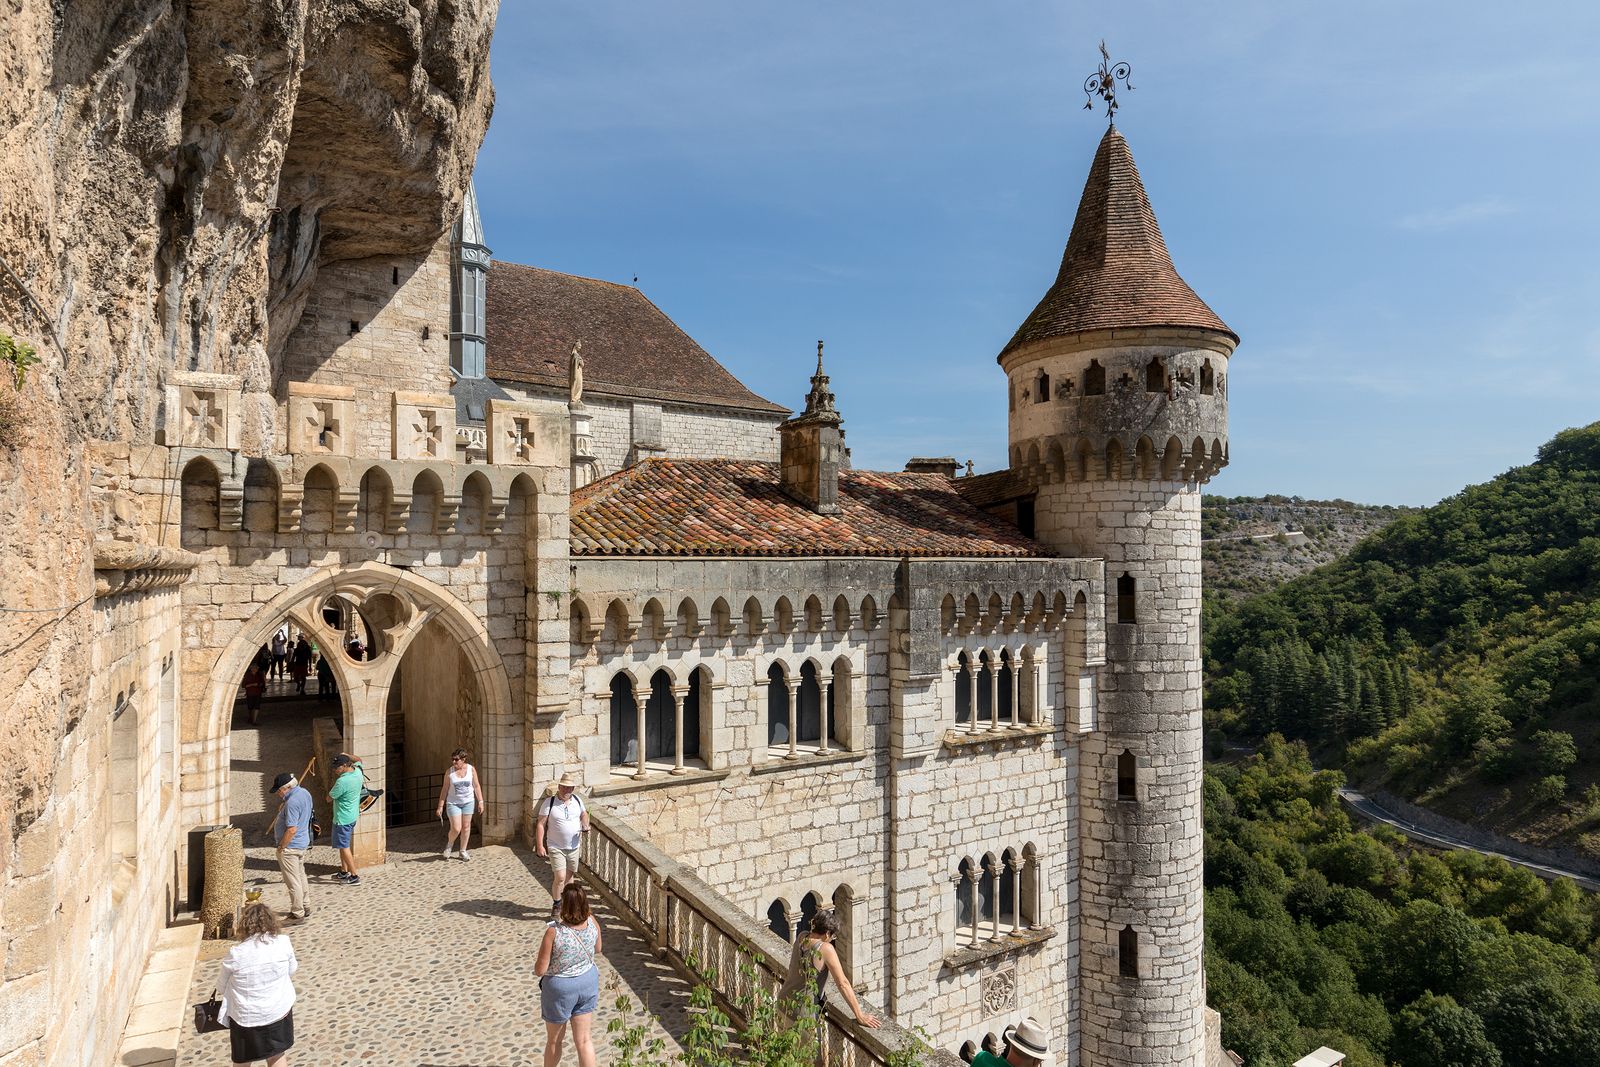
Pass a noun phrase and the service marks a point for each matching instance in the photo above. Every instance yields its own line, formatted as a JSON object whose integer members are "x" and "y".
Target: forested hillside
{"x": 1453, "y": 656}
{"x": 1320, "y": 934}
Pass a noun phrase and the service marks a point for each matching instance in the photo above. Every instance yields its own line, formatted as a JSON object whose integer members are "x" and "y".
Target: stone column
{"x": 365, "y": 713}
{"x": 1016, "y": 691}
{"x": 973, "y": 874}
{"x": 994, "y": 694}
{"x": 639, "y": 719}
{"x": 1019, "y": 863}
{"x": 972, "y": 693}
{"x": 680, "y": 693}
{"x": 992, "y": 871}
{"x": 827, "y": 698}
{"x": 794, "y": 721}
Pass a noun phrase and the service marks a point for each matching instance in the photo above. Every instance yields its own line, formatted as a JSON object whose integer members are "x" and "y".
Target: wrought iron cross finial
{"x": 1103, "y": 83}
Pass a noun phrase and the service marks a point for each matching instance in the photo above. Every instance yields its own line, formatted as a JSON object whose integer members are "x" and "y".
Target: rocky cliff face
{"x": 173, "y": 173}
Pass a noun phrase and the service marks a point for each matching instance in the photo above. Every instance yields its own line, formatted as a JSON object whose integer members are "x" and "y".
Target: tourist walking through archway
{"x": 460, "y": 796}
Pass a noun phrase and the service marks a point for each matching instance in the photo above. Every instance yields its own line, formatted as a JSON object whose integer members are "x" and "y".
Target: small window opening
{"x": 1128, "y": 953}
{"x": 425, "y": 333}
{"x": 355, "y": 327}
{"x": 1155, "y": 377}
{"x": 1025, "y": 519}
{"x": 1208, "y": 379}
{"x": 1094, "y": 379}
{"x": 778, "y": 920}
{"x": 1126, "y": 610}
{"x": 1042, "y": 393}
{"x": 397, "y": 275}
{"x": 1127, "y": 776}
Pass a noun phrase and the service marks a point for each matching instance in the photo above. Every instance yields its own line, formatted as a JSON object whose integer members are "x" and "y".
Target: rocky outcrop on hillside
{"x": 173, "y": 175}
{"x": 1250, "y": 544}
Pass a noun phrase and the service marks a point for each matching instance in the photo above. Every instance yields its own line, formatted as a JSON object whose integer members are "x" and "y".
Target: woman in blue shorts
{"x": 569, "y": 981}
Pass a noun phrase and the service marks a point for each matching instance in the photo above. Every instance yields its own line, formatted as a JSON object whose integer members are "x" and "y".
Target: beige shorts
{"x": 564, "y": 860}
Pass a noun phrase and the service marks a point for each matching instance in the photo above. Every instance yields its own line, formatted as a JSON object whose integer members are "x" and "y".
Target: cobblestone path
{"x": 429, "y": 962}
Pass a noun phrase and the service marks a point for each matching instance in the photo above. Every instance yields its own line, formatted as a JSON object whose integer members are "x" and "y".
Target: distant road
{"x": 1372, "y": 811}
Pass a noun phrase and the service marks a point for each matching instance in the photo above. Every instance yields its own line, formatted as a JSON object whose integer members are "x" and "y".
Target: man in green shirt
{"x": 346, "y": 797}
{"x": 1027, "y": 1044}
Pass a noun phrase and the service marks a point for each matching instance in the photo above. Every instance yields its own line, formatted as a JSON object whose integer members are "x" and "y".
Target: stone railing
{"x": 686, "y": 918}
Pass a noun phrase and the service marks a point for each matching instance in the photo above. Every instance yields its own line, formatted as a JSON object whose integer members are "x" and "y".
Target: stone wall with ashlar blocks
{"x": 892, "y": 809}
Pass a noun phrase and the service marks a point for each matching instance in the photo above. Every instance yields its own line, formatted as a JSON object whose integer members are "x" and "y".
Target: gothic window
{"x": 1127, "y": 776}
{"x": 624, "y": 722}
{"x": 810, "y": 904}
{"x": 201, "y": 503}
{"x": 1155, "y": 376}
{"x": 966, "y": 879}
{"x": 968, "y": 1050}
{"x": 660, "y": 718}
{"x": 1128, "y": 953}
{"x": 1041, "y": 392}
{"x": 985, "y": 688}
{"x": 694, "y": 702}
{"x": 996, "y": 896}
{"x": 1208, "y": 379}
{"x": 777, "y": 706}
{"x": 318, "y": 501}
{"x": 987, "y": 872}
{"x": 1008, "y": 888}
{"x": 1007, "y": 712}
{"x": 778, "y": 920}
{"x": 375, "y": 494}
{"x": 260, "y": 497}
{"x": 1094, "y": 379}
{"x": 963, "y": 689}
{"x": 838, "y": 698}
{"x": 1127, "y": 611}
{"x": 808, "y": 725}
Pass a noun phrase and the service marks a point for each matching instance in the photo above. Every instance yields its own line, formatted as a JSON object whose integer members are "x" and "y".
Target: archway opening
{"x": 435, "y": 706}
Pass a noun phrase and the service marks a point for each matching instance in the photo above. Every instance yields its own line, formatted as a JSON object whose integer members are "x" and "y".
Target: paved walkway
{"x": 1369, "y": 808}
{"x": 430, "y": 961}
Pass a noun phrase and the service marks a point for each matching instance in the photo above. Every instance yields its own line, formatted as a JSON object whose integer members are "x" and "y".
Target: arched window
{"x": 1041, "y": 392}
{"x": 839, "y": 699}
{"x": 624, "y": 722}
{"x": 963, "y": 689}
{"x": 1128, "y": 953}
{"x": 777, "y": 706}
{"x": 693, "y": 704}
{"x": 808, "y": 725}
{"x": 1094, "y": 379}
{"x": 201, "y": 512}
{"x": 1008, "y": 712}
{"x": 260, "y": 497}
{"x": 660, "y": 719}
{"x": 986, "y": 887}
{"x": 968, "y": 1050}
{"x": 1009, "y": 887}
{"x": 1127, "y": 610}
{"x": 778, "y": 920}
{"x": 985, "y": 688}
{"x": 1208, "y": 379}
{"x": 844, "y": 907}
{"x": 810, "y": 904}
{"x": 966, "y": 875}
{"x": 1155, "y": 376}
{"x": 1127, "y": 776}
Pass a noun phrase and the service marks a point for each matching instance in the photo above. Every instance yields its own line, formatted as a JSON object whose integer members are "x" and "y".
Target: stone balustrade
{"x": 687, "y": 919}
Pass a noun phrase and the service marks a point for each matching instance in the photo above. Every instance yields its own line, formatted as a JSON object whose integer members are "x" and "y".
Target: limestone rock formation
{"x": 173, "y": 173}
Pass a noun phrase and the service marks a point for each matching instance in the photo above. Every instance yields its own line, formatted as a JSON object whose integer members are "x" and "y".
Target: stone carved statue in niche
{"x": 575, "y": 382}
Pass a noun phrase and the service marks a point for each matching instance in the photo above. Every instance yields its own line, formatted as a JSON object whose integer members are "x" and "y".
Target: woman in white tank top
{"x": 460, "y": 796}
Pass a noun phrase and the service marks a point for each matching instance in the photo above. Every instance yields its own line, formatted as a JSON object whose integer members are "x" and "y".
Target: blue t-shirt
{"x": 296, "y": 813}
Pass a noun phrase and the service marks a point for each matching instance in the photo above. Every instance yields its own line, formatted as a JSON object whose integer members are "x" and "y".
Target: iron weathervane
{"x": 1103, "y": 83}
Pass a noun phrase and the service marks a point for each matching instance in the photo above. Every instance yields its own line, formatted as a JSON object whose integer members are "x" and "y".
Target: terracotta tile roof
{"x": 630, "y": 347}
{"x": 1116, "y": 271}
{"x": 992, "y": 489}
{"x": 719, "y": 507}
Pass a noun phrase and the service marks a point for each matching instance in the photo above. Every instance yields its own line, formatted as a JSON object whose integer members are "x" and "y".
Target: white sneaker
{"x": 465, "y": 855}
{"x": 447, "y": 853}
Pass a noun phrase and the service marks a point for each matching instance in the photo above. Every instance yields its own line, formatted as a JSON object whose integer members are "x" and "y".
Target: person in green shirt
{"x": 346, "y": 797}
{"x": 1027, "y": 1044}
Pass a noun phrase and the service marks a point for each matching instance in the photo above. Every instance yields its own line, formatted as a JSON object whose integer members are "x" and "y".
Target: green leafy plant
{"x": 632, "y": 1044}
{"x": 18, "y": 356}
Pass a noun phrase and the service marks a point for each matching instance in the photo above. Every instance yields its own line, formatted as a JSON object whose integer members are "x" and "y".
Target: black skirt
{"x": 262, "y": 1042}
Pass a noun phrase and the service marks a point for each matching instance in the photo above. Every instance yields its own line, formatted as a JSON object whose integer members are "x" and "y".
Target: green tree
{"x": 1434, "y": 1031}
{"x": 1556, "y": 751}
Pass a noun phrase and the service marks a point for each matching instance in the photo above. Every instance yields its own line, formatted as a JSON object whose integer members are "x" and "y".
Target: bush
{"x": 1557, "y": 751}
{"x": 1547, "y": 790}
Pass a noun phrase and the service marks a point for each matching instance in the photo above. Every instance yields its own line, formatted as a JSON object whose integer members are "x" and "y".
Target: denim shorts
{"x": 562, "y": 998}
{"x": 343, "y": 835}
{"x": 461, "y": 809}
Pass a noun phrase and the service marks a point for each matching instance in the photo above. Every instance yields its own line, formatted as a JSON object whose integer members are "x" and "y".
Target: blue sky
{"x": 1392, "y": 203}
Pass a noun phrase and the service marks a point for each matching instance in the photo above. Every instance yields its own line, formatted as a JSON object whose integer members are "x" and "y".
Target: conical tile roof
{"x": 1116, "y": 272}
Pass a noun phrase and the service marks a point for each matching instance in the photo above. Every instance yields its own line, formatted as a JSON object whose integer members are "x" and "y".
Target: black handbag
{"x": 205, "y": 1016}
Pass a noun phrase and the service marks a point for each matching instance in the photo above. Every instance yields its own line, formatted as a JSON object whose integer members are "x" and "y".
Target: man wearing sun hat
{"x": 562, "y": 820}
{"x": 1027, "y": 1043}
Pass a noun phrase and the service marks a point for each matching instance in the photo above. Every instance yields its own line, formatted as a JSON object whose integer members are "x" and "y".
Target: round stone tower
{"x": 1118, "y": 414}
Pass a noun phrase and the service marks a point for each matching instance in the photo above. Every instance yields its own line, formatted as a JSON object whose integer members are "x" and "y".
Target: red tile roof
{"x": 719, "y": 507}
{"x": 992, "y": 489}
{"x": 1116, "y": 271}
{"x": 630, "y": 347}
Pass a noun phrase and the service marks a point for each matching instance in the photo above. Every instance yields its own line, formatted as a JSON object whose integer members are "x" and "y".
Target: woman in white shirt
{"x": 257, "y": 996}
{"x": 461, "y": 796}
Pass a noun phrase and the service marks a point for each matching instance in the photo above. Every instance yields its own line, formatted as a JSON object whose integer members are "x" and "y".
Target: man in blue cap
{"x": 291, "y": 829}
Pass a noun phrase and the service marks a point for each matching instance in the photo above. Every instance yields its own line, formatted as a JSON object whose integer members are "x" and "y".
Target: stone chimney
{"x": 812, "y": 446}
{"x": 945, "y": 465}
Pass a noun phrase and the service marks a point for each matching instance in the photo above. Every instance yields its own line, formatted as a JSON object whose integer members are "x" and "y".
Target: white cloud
{"x": 1450, "y": 218}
